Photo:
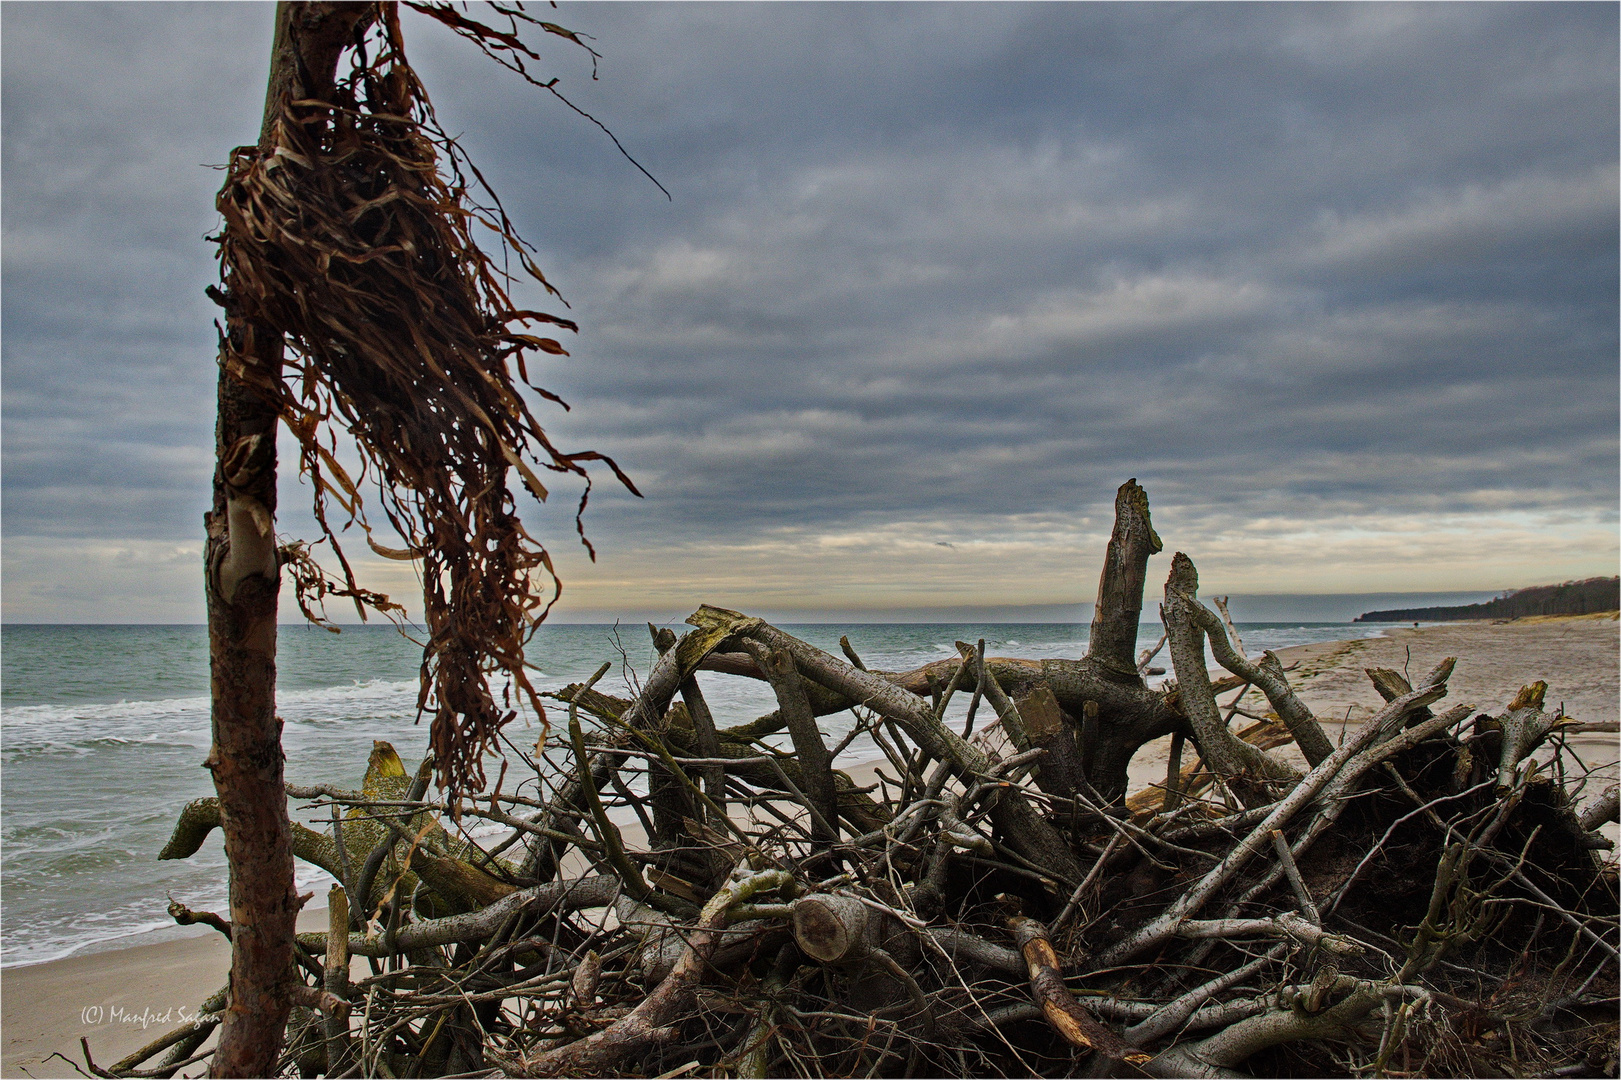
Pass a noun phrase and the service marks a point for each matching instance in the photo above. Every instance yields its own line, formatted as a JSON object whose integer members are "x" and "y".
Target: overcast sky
{"x": 1337, "y": 283}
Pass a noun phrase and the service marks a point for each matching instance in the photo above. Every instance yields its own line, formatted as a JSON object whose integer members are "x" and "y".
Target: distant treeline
{"x": 1571, "y": 598}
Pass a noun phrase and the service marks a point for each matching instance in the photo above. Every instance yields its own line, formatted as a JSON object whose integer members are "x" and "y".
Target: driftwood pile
{"x": 1422, "y": 897}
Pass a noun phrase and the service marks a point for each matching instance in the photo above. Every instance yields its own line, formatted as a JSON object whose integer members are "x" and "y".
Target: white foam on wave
{"x": 329, "y": 728}
{"x": 27, "y": 951}
{"x": 83, "y": 728}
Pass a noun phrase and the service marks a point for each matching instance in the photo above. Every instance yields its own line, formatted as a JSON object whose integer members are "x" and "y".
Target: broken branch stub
{"x": 1078, "y": 1027}
{"x": 832, "y": 929}
{"x": 1119, "y": 606}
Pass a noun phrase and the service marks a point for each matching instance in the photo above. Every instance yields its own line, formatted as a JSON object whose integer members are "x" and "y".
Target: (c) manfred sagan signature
{"x": 117, "y": 1014}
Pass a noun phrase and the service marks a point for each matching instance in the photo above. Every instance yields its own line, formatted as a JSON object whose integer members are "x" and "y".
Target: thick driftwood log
{"x": 1120, "y": 586}
{"x": 242, "y": 587}
{"x": 833, "y": 929}
{"x": 843, "y": 931}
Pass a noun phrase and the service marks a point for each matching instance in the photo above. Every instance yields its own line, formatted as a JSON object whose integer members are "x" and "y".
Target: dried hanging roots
{"x": 354, "y": 239}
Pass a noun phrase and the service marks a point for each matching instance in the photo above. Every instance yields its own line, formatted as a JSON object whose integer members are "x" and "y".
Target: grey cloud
{"x": 935, "y": 263}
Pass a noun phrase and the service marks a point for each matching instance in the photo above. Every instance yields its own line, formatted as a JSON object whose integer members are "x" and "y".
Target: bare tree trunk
{"x": 815, "y": 763}
{"x": 1120, "y": 586}
{"x": 242, "y": 587}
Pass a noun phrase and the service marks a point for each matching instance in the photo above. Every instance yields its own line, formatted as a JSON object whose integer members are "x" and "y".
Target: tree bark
{"x": 1120, "y": 587}
{"x": 242, "y": 587}
{"x": 815, "y": 763}
{"x": 1246, "y": 770}
{"x": 1078, "y": 1027}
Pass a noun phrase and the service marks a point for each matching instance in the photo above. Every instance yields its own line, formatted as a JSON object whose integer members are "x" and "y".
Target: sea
{"x": 103, "y": 730}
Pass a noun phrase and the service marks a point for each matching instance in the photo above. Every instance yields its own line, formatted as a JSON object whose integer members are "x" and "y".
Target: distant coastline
{"x": 1586, "y": 597}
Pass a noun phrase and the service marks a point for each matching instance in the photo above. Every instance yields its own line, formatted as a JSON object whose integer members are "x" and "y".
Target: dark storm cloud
{"x": 923, "y": 263}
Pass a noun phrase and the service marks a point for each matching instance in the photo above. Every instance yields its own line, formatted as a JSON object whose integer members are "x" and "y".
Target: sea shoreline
{"x": 120, "y": 999}
{"x": 103, "y": 729}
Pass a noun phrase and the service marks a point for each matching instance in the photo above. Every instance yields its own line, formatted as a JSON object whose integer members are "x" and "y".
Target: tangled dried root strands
{"x": 312, "y": 585}
{"x": 353, "y": 236}
{"x": 507, "y": 48}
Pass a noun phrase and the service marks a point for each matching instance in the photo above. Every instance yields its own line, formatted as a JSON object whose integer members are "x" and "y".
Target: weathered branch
{"x": 1601, "y": 810}
{"x": 815, "y": 763}
{"x": 1268, "y": 675}
{"x": 1119, "y": 607}
{"x": 1078, "y": 1027}
{"x": 475, "y": 926}
{"x": 1023, "y": 829}
{"x": 1245, "y": 769}
{"x": 649, "y": 1023}
{"x": 1287, "y": 924}
{"x": 1217, "y": 1055}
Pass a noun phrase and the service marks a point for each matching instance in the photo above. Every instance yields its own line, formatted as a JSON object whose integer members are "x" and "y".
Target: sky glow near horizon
{"x": 1337, "y": 284}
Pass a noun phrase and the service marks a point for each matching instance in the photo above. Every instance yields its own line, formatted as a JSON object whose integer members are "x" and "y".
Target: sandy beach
{"x": 120, "y": 1000}
{"x": 1576, "y": 656}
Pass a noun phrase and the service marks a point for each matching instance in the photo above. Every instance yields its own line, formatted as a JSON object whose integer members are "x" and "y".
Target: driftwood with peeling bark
{"x": 1428, "y": 896}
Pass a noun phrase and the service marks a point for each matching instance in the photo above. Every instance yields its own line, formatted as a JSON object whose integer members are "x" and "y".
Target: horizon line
{"x": 1263, "y": 608}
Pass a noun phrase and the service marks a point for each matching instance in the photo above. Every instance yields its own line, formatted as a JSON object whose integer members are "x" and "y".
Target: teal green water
{"x": 103, "y": 730}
